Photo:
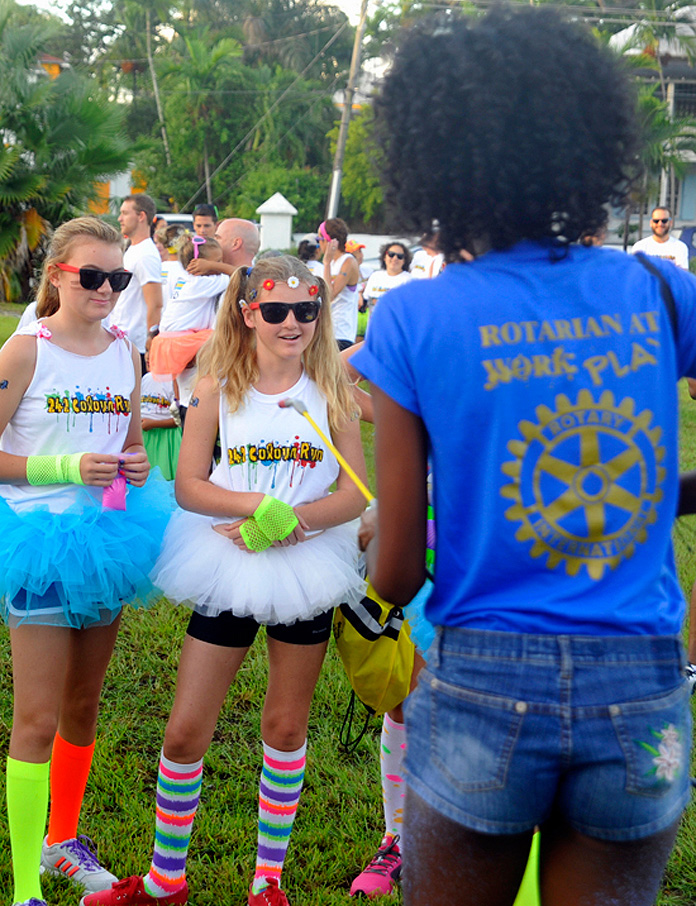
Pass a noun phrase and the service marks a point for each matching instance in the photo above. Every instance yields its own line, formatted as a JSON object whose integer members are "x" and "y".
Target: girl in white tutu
{"x": 261, "y": 540}
{"x": 67, "y": 560}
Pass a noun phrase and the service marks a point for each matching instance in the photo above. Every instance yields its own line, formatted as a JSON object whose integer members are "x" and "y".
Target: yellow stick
{"x": 300, "y": 407}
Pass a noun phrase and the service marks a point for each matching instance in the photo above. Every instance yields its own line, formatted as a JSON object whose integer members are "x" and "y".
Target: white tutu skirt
{"x": 209, "y": 573}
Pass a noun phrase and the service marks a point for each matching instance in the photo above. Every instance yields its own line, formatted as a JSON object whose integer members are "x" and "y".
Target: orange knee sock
{"x": 70, "y": 766}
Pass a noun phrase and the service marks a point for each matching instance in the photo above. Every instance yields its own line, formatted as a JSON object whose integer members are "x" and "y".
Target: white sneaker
{"x": 76, "y": 859}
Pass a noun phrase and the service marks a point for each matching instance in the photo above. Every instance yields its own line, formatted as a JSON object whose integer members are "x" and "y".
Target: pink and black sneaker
{"x": 380, "y": 877}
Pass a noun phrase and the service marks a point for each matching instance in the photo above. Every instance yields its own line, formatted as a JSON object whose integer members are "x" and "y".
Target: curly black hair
{"x": 385, "y": 248}
{"x": 517, "y": 125}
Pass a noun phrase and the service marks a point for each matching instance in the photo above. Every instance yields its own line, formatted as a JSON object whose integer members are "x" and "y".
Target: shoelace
{"x": 85, "y": 851}
{"x": 386, "y": 860}
{"x": 126, "y": 889}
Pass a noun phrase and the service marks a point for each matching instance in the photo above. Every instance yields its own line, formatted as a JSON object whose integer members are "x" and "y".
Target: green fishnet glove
{"x": 253, "y": 537}
{"x": 61, "y": 469}
{"x": 276, "y": 519}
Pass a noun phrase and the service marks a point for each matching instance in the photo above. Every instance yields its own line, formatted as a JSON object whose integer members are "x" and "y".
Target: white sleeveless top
{"x": 276, "y": 451}
{"x": 74, "y": 404}
{"x": 344, "y": 306}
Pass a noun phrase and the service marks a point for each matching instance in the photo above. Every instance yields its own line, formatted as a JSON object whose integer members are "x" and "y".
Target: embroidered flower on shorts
{"x": 669, "y": 754}
{"x": 293, "y": 282}
{"x": 268, "y": 284}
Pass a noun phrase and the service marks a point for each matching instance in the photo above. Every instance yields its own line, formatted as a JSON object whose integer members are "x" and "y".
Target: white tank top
{"x": 344, "y": 306}
{"x": 276, "y": 451}
{"x": 74, "y": 404}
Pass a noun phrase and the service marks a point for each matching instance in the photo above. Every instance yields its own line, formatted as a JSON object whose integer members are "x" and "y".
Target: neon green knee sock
{"x": 27, "y": 807}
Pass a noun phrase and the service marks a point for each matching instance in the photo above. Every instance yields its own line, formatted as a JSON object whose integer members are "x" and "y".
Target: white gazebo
{"x": 276, "y": 222}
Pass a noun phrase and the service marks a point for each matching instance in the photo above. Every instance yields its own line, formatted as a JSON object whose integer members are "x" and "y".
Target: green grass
{"x": 340, "y": 817}
{"x": 8, "y": 325}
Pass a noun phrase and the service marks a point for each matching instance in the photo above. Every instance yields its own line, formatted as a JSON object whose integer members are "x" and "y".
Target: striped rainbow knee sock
{"x": 178, "y": 793}
{"x": 282, "y": 776}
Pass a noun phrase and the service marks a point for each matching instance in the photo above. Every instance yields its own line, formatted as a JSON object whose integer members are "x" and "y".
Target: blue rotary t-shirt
{"x": 547, "y": 385}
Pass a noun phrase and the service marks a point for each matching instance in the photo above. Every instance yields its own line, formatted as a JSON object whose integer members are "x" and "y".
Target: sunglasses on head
{"x": 91, "y": 278}
{"x": 197, "y": 241}
{"x": 399, "y": 255}
{"x": 277, "y": 312}
{"x": 660, "y": 219}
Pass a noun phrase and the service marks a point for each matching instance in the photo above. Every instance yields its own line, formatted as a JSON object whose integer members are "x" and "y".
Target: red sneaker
{"x": 130, "y": 892}
{"x": 269, "y": 896}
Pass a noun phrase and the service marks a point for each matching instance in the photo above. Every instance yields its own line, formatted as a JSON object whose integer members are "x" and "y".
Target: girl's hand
{"x": 368, "y": 528}
{"x": 98, "y": 469}
{"x": 296, "y": 536}
{"x": 230, "y": 530}
{"x": 135, "y": 467}
{"x": 331, "y": 252}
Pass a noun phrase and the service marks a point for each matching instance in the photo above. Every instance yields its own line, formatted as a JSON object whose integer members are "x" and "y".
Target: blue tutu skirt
{"x": 77, "y": 568}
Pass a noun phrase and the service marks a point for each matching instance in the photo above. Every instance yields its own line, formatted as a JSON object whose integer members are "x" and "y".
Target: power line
{"x": 265, "y": 116}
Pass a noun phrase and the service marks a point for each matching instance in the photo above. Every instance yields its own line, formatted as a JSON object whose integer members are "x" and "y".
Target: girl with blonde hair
{"x": 261, "y": 540}
{"x": 69, "y": 556}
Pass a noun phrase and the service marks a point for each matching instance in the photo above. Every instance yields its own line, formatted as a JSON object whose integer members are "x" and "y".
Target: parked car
{"x": 185, "y": 220}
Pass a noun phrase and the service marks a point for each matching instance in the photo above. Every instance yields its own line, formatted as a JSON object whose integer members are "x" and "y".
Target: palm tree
{"x": 195, "y": 70}
{"x": 58, "y": 137}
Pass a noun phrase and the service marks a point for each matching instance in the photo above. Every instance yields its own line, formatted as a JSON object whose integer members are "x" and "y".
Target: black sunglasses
{"x": 661, "y": 219}
{"x": 398, "y": 255}
{"x": 91, "y": 278}
{"x": 277, "y": 312}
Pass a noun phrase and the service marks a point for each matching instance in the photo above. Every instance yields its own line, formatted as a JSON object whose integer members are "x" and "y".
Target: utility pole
{"x": 335, "y": 193}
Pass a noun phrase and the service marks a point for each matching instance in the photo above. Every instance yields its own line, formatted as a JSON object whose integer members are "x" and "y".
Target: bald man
{"x": 240, "y": 241}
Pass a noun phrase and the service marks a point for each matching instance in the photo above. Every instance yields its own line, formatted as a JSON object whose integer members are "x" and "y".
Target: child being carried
{"x": 190, "y": 312}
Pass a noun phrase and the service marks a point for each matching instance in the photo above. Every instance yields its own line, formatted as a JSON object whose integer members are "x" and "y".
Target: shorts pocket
{"x": 655, "y": 738}
{"x": 472, "y": 734}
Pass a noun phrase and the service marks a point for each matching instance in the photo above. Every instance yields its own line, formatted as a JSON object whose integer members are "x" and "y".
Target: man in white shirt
{"x": 240, "y": 241}
{"x": 139, "y": 306}
{"x": 661, "y": 244}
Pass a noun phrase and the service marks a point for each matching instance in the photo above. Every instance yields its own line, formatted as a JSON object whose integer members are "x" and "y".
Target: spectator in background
{"x": 205, "y": 220}
{"x": 139, "y": 306}
{"x": 342, "y": 274}
{"x": 427, "y": 261}
{"x": 661, "y": 244}
{"x": 308, "y": 253}
{"x": 395, "y": 259}
{"x": 240, "y": 241}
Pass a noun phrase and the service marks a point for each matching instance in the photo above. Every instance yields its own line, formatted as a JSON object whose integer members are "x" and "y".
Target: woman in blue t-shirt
{"x": 540, "y": 379}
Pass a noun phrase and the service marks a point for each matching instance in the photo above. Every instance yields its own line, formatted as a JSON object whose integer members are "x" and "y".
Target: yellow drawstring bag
{"x": 374, "y": 643}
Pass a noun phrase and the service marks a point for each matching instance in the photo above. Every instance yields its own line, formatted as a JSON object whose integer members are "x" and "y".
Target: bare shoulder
{"x": 19, "y": 352}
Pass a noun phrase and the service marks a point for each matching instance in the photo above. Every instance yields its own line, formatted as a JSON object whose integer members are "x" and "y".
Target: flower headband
{"x": 293, "y": 282}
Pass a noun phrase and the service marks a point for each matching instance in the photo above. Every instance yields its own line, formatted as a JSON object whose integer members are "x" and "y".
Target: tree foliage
{"x": 59, "y": 138}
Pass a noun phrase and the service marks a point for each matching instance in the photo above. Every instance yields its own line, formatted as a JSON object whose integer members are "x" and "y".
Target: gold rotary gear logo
{"x": 585, "y": 481}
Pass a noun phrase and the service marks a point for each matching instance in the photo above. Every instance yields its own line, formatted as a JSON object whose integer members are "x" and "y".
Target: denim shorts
{"x": 506, "y": 729}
